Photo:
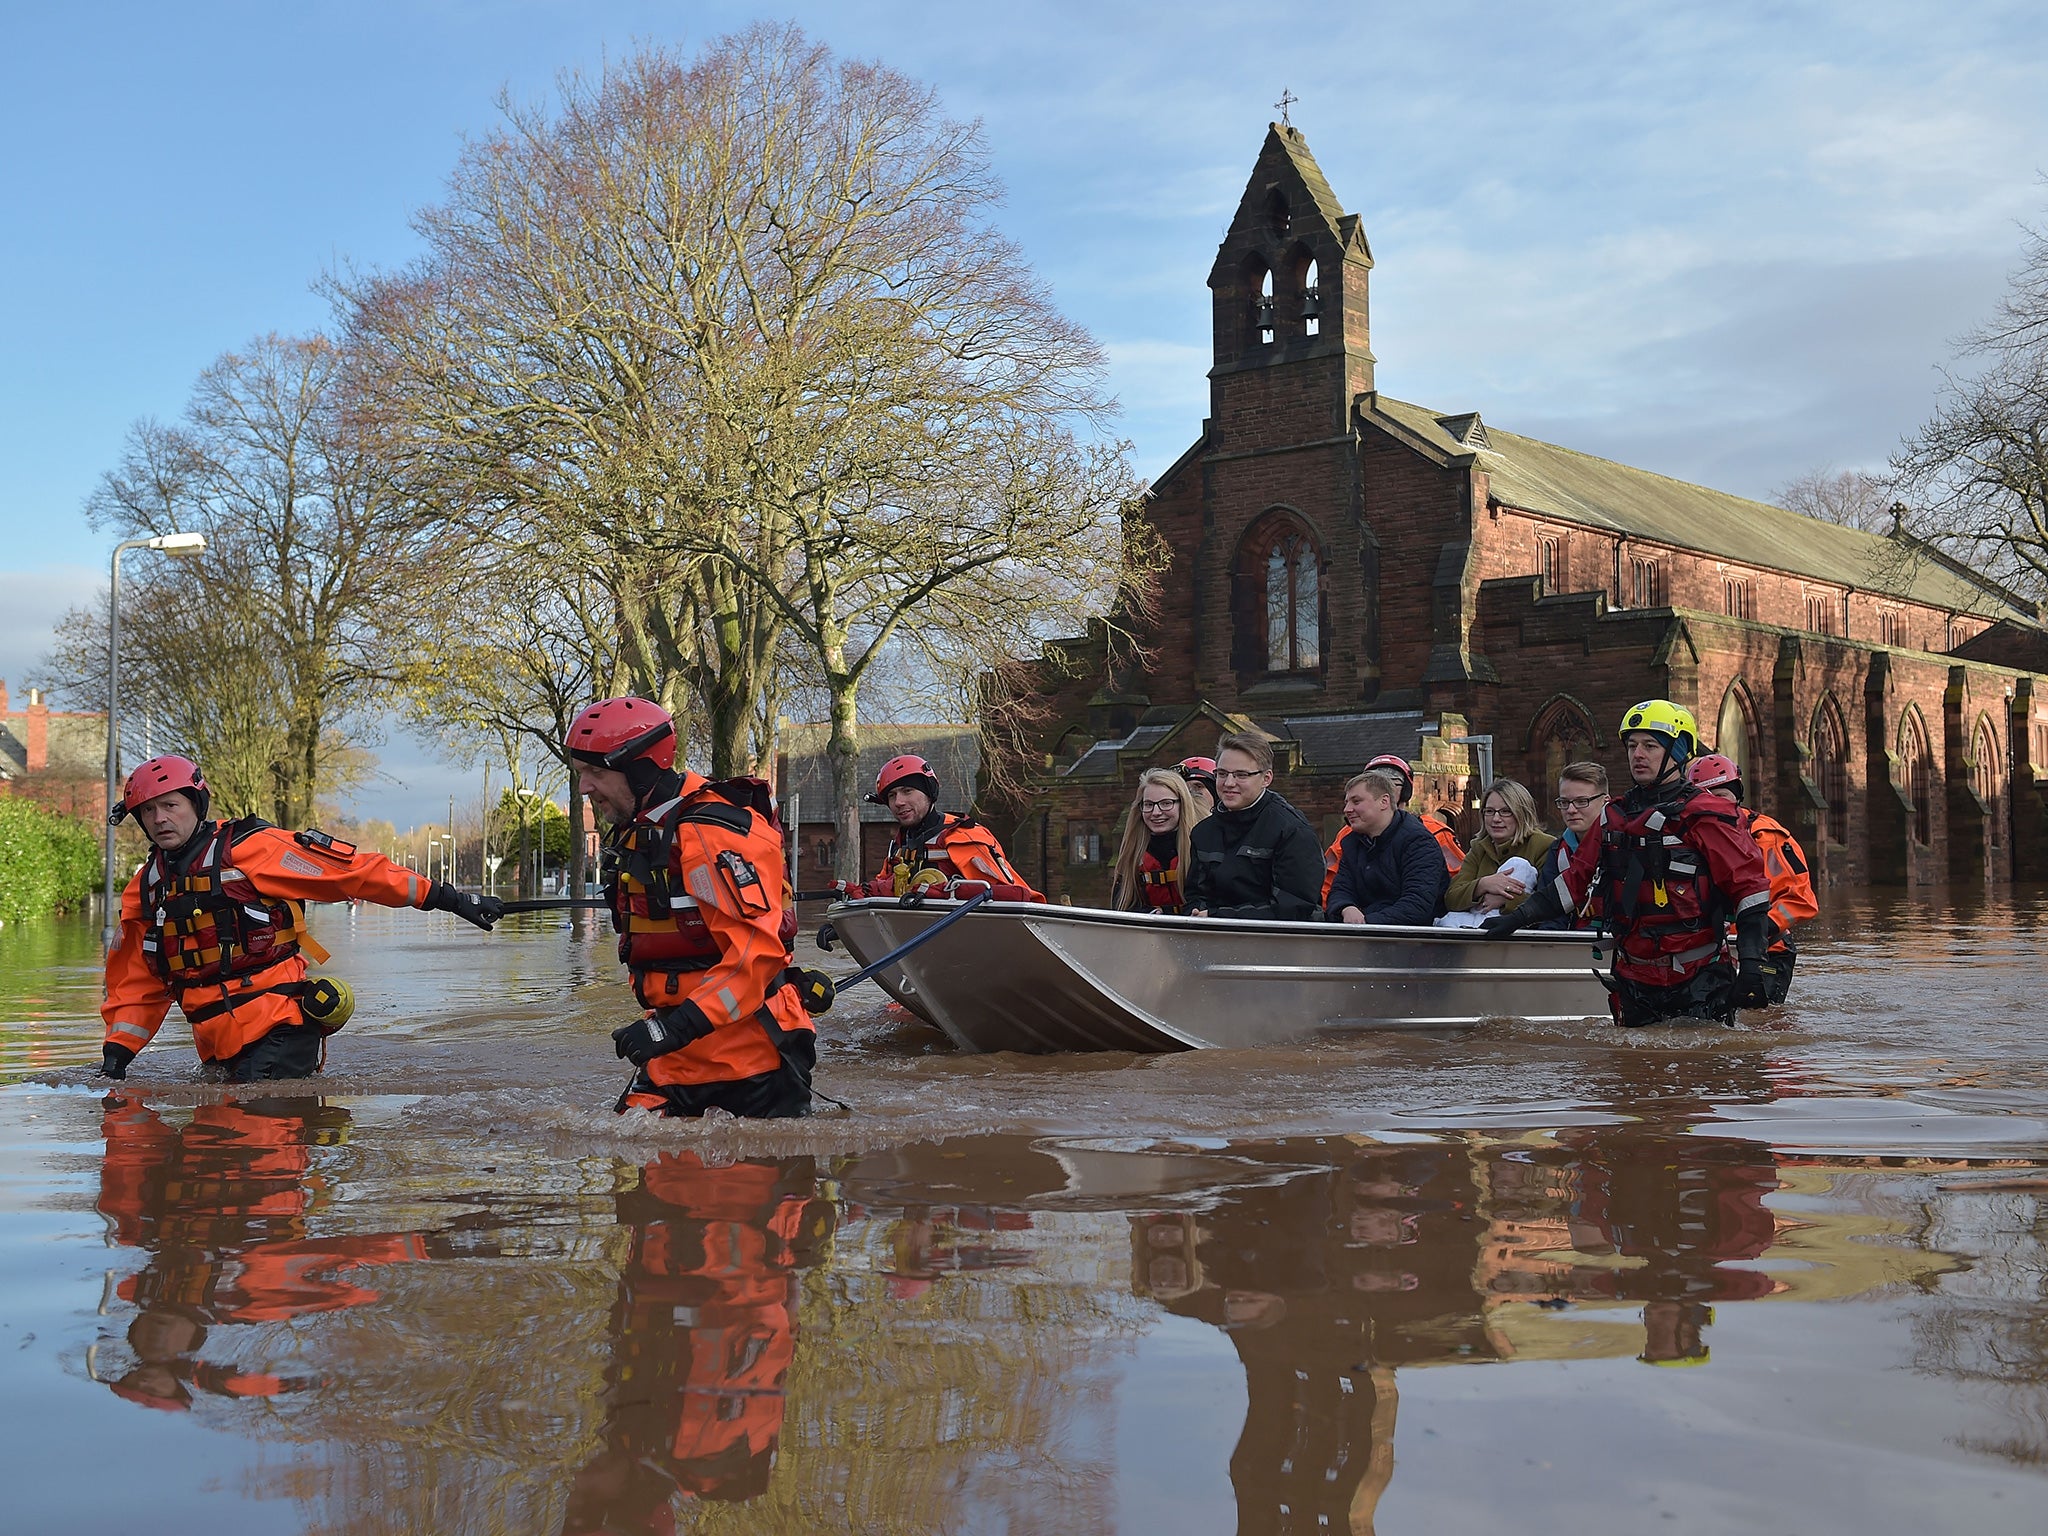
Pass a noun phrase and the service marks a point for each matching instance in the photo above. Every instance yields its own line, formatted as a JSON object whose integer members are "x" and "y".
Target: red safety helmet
{"x": 163, "y": 776}
{"x": 908, "y": 769}
{"x": 1714, "y": 772}
{"x": 1393, "y": 762}
{"x": 614, "y": 732}
{"x": 1198, "y": 768}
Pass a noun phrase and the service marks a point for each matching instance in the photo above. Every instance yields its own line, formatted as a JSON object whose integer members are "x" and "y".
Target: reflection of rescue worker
{"x": 1673, "y": 868}
{"x": 1792, "y": 898}
{"x": 932, "y": 849}
{"x": 693, "y": 876}
{"x": 703, "y": 1336}
{"x": 220, "y": 1206}
{"x": 1435, "y": 825}
{"x": 215, "y": 921}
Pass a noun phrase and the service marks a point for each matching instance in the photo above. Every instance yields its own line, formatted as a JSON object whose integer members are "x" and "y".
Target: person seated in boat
{"x": 1792, "y": 898}
{"x": 1200, "y": 773}
{"x": 1257, "y": 856}
{"x": 215, "y": 922}
{"x": 1152, "y": 862}
{"x": 1392, "y": 870}
{"x": 1508, "y": 812}
{"x": 1582, "y": 795}
{"x": 932, "y": 850}
{"x": 1435, "y": 825}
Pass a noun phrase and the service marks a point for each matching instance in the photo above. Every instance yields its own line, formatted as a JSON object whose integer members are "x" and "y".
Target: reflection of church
{"x": 1355, "y": 574}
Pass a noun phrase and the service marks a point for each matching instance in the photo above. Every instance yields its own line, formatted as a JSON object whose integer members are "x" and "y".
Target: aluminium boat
{"x": 1019, "y": 976}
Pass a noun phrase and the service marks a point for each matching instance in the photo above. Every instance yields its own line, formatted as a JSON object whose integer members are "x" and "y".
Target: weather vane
{"x": 1287, "y": 99}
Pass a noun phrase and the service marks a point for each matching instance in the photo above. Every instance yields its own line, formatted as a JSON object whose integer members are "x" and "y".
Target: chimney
{"x": 38, "y": 733}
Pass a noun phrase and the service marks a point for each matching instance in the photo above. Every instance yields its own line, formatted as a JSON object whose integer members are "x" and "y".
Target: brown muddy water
{"x": 1785, "y": 1278}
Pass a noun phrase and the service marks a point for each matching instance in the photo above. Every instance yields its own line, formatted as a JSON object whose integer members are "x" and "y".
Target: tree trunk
{"x": 844, "y": 749}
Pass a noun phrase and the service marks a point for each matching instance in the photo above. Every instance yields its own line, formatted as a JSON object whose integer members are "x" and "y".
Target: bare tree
{"x": 1850, "y": 497}
{"x": 1976, "y": 475}
{"x": 254, "y": 654}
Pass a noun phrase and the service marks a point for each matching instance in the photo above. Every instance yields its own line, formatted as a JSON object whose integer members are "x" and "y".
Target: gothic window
{"x": 1891, "y": 627}
{"x": 1563, "y": 733}
{"x": 1987, "y": 779}
{"x": 1277, "y": 599}
{"x": 1265, "y": 308}
{"x": 1550, "y": 562}
{"x": 1819, "y": 618}
{"x": 1277, "y": 214}
{"x": 1831, "y": 771}
{"x": 1737, "y": 600}
{"x": 1733, "y": 738}
{"x": 1916, "y": 765}
{"x": 1647, "y": 582}
{"x": 1311, "y": 303}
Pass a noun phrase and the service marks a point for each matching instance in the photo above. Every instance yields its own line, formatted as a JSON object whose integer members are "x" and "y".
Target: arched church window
{"x": 1311, "y": 303}
{"x": 1733, "y": 738}
{"x": 1293, "y": 622}
{"x": 1562, "y": 733}
{"x": 1277, "y": 214}
{"x": 1916, "y": 766}
{"x": 1263, "y": 308}
{"x": 1987, "y": 777}
{"x": 1831, "y": 771}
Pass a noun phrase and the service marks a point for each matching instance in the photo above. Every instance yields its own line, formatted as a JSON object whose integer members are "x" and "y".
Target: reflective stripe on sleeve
{"x": 412, "y": 890}
{"x": 132, "y": 1031}
{"x": 732, "y": 1004}
{"x": 1754, "y": 899}
{"x": 1565, "y": 898}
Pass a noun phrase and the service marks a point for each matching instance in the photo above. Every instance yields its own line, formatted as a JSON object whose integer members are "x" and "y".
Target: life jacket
{"x": 660, "y": 929}
{"x": 959, "y": 847}
{"x": 1161, "y": 884}
{"x": 1657, "y": 892}
{"x": 1792, "y": 898}
{"x": 210, "y": 924}
{"x": 1446, "y": 839}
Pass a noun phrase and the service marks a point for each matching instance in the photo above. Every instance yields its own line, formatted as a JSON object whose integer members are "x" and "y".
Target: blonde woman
{"x": 1151, "y": 866}
{"x": 1510, "y": 831}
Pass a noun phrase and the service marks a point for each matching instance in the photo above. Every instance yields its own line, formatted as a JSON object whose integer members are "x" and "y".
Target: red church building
{"x": 1353, "y": 574}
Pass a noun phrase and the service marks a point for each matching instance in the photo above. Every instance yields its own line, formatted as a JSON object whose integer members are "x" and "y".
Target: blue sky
{"x": 1731, "y": 243}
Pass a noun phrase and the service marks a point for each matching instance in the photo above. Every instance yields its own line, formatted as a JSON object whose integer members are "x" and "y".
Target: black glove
{"x": 1505, "y": 925}
{"x": 483, "y": 911}
{"x": 114, "y": 1060}
{"x": 1750, "y": 991}
{"x": 659, "y": 1033}
{"x": 814, "y": 990}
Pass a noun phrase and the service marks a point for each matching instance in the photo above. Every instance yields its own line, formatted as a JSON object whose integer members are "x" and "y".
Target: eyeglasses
{"x": 1498, "y": 810}
{"x": 1158, "y": 807}
{"x": 1578, "y": 802}
{"x": 1232, "y": 775}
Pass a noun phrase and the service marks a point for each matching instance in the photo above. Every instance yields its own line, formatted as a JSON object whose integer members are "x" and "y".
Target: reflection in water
{"x": 704, "y": 1331}
{"x": 220, "y": 1206}
{"x": 1992, "y": 1330}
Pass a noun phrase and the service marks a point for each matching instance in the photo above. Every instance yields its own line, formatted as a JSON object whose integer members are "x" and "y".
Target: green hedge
{"x": 47, "y": 862}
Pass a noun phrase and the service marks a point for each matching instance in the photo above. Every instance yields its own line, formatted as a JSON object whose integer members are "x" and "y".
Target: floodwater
{"x": 1785, "y": 1278}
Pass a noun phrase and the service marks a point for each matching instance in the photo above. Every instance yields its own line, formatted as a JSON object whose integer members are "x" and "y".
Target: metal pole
{"x": 111, "y": 909}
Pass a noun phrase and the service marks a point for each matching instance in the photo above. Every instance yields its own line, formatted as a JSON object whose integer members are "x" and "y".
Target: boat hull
{"x": 1015, "y": 976}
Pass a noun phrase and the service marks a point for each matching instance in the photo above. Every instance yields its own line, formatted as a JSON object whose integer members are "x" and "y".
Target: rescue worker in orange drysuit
{"x": 215, "y": 921}
{"x": 1446, "y": 839}
{"x": 703, "y": 1335}
{"x": 693, "y": 877}
{"x": 933, "y": 851}
{"x": 220, "y": 1209}
{"x": 1792, "y": 898}
{"x": 1672, "y": 868}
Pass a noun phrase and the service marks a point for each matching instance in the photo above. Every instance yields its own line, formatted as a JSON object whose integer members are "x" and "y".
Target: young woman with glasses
{"x": 1152, "y": 863}
{"x": 1510, "y": 830}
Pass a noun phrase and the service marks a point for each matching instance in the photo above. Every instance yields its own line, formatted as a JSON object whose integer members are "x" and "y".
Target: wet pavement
{"x": 1788, "y": 1277}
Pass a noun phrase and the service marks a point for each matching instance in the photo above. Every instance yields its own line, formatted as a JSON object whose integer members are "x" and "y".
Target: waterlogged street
{"x": 1789, "y": 1277}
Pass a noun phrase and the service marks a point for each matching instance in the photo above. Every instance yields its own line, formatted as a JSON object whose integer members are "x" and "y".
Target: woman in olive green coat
{"x": 1511, "y": 831}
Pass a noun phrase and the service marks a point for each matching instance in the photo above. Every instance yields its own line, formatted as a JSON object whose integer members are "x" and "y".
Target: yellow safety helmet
{"x": 1673, "y": 722}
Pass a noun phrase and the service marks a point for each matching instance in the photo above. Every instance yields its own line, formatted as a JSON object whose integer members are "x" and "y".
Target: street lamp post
{"x": 183, "y": 546}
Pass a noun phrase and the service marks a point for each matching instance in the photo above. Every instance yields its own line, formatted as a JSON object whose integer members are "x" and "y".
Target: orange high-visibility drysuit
{"x": 223, "y": 936}
{"x": 943, "y": 848}
{"x": 1792, "y": 898}
{"x": 695, "y": 885}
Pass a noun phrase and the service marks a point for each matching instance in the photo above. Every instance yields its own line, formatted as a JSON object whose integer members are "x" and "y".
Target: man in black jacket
{"x": 1256, "y": 856}
{"x": 1392, "y": 870}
